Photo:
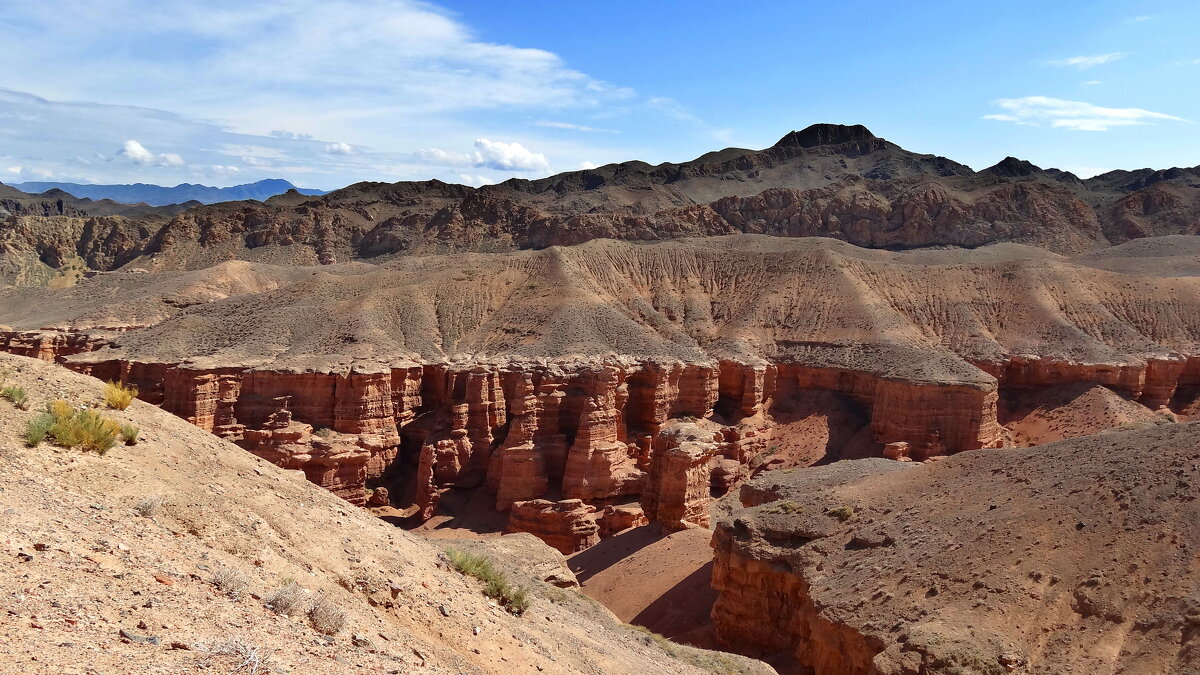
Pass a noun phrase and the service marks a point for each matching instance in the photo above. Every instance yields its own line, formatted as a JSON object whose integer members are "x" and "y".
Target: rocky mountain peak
{"x": 1011, "y": 167}
{"x": 826, "y": 134}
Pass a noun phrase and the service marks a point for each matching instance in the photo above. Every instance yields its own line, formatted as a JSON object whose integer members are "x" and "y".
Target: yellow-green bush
{"x": 119, "y": 396}
{"x": 87, "y": 430}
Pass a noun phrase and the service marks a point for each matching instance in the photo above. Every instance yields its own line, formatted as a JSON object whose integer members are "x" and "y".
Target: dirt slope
{"x": 1072, "y": 557}
{"x": 79, "y": 565}
{"x": 915, "y": 315}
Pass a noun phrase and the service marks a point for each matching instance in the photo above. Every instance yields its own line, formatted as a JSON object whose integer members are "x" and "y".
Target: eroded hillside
{"x": 162, "y": 556}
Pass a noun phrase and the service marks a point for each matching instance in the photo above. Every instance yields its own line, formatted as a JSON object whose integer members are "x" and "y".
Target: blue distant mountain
{"x": 157, "y": 195}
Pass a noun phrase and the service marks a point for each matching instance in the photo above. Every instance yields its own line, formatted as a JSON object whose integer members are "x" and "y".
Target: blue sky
{"x": 329, "y": 92}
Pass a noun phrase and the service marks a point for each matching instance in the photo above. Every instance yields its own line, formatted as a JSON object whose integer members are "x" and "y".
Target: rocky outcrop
{"x": 569, "y": 525}
{"x": 49, "y": 345}
{"x": 862, "y": 567}
{"x": 679, "y": 482}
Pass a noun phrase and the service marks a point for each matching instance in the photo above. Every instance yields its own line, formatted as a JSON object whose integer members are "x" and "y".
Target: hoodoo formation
{"x": 845, "y": 358}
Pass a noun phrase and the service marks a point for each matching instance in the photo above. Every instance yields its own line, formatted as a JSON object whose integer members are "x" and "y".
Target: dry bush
{"x": 326, "y": 617}
{"x": 119, "y": 396}
{"x": 149, "y": 506}
{"x": 288, "y": 600}
{"x": 250, "y": 658}
{"x": 231, "y": 582}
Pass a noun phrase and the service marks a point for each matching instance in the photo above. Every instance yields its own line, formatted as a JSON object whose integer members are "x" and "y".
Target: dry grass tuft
{"x": 250, "y": 658}
{"x": 326, "y": 617}
{"x": 149, "y": 506}
{"x": 495, "y": 585}
{"x": 119, "y": 396}
{"x": 288, "y": 600}
{"x": 231, "y": 582}
{"x": 129, "y": 433}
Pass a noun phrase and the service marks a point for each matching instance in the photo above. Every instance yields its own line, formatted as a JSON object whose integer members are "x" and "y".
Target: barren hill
{"x": 161, "y": 556}
{"x": 826, "y": 180}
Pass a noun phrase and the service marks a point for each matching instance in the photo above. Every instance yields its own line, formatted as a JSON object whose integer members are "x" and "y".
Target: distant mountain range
{"x": 157, "y": 195}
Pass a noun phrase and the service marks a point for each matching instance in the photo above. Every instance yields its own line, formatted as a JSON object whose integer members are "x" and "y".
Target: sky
{"x": 326, "y": 93}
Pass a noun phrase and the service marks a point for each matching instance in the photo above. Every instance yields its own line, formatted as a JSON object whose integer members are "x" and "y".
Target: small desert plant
{"x": 119, "y": 396}
{"x": 71, "y": 428}
{"x": 326, "y": 617}
{"x": 16, "y": 395}
{"x": 149, "y": 506}
{"x": 231, "y": 582}
{"x": 842, "y": 513}
{"x": 250, "y": 658}
{"x": 495, "y": 585}
{"x": 129, "y": 433}
{"x": 785, "y": 508}
{"x": 37, "y": 428}
{"x": 288, "y": 600}
{"x": 324, "y": 432}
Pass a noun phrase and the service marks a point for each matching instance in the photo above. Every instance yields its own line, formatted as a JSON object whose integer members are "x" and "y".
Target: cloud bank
{"x": 1074, "y": 115}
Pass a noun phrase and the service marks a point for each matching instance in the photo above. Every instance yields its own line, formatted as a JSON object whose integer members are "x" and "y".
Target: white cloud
{"x": 585, "y": 165}
{"x": 1091, "y": 83}
{"x": 475, "y": 181}
{"x": 290, "y": 135}
{"x": 1085, "y": 62}
{"x": 508, "y": 156}
{"x": 339, "y": 149}
{"x": 1075, "y": 115}
{"x": 489, "y": 154}
{"x": 138, "y": 154}
{"x": 575, "y": 127}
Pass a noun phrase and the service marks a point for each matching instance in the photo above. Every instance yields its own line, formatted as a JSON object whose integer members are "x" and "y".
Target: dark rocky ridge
{"x": 827, "y": 180}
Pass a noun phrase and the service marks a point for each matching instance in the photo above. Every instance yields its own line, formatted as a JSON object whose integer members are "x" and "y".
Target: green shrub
{"x": 129, "y": 433}
{"x": 495, "y": 585}
{"x": 17, "y": 395}
{"x": 119, "y": 396}
{"x": 37, "y": 428}
{"x": 87, "y": 430}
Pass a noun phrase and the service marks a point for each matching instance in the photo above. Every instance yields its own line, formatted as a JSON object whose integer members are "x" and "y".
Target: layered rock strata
{"x": 569, "y": 525}
{"x": 862, "y": 567}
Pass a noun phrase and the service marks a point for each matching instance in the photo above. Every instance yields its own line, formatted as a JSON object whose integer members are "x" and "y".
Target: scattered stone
{"x": 134, "y": 637}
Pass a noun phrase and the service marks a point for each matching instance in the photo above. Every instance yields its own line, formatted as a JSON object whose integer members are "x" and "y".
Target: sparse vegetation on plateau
{"x": 16, "y": 395}
{"x": 786, "y": 507}
{"x": 842, "y": 513}
{"x": 87, "y": 430}
{"x": 118, "y": 396}
{"x": 495, "y": 584}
